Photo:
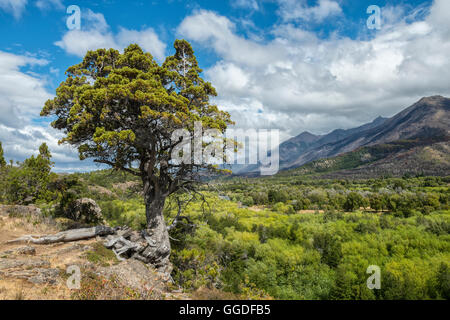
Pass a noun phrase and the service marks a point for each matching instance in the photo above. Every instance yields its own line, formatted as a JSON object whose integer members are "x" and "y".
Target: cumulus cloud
{"x": 21, "y": 143}
{"x": 218, "y": 32}
{"x": 298, "y": 82}
{"x": 14, "y": 7}
{"x": 95, "y": 33}
{"x": 439, "y": 17}
{"x": 23, "y": 95}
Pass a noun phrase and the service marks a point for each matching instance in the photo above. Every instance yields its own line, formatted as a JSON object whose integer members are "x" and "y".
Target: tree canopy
{"x": 122, "y": 108}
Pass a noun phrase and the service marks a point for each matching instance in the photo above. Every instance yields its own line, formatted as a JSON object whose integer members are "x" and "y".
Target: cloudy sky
{"x": 293, "y": 65}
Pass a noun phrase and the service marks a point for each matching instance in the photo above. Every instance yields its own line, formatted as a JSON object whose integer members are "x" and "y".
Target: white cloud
{"x": 21, "y": 143}
{"x": 23, "y": 95}
{"x": 23, "y": 92}
{"x": 15, "y": 7}
{"x": 439, "y": 17}
{"x": 298, "y": 82}
{"x": 96, "y": 34}
{"x": 218, "y": 32}
{"x": 247, "y": 4}
{"x": 299, "y": 10}
{"x": 147, "y": 39}
{"x": 48, "y": 4}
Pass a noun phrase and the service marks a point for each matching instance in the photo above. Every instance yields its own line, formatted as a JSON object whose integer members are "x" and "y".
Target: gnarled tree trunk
{"x": 156, "y": 234}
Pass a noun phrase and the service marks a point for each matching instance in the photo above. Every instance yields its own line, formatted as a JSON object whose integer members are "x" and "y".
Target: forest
{"x": 280, "y": 237}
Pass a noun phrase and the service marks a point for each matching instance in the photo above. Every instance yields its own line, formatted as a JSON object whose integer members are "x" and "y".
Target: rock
{"x": 41, "y": 276}
{"x": 138, "y": 276}
{"x": 74, "y": 247}
{"x": 85, "y": 210}
{"x": 34, "y": 270}
{"x": 22, "y": 263}
{"x": 36, "y": 276}
{"x": 27, "y": 250}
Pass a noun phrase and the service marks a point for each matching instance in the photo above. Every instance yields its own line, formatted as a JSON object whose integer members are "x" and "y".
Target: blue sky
{"x": 294, "y": 65}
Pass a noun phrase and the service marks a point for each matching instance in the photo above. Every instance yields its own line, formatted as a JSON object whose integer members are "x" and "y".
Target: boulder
{"x": 27, "y": 250}
{"x": 85, "y": 210}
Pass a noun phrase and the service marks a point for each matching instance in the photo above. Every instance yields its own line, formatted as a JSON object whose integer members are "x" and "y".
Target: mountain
{"x": 297, "y": 145}
{"x": 340, "y": 134}
{"x": 291, "y": 150}
{"x": 318, "y": 149}
{"x": 419, "y": 129}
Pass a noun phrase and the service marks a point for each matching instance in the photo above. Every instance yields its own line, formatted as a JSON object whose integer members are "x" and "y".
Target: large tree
{"x": 122, "y": 109}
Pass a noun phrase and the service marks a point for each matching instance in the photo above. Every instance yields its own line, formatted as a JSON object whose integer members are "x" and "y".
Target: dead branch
{"x": 179, "y": 218}
{"x": 66, "y": 236}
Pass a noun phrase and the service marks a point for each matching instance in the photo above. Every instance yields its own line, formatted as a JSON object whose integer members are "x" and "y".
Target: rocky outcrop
{"x": 37, "y": 275}
{"x": 34, "y": 270}
{"x": 27, "y": 250}
{"x": 85, "y": 210}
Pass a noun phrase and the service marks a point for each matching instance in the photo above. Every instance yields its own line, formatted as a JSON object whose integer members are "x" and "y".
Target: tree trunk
{"x": 156, "y": 234}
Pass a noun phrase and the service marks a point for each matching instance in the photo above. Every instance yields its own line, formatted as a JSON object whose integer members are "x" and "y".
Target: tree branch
{"x": 112, "y": 164}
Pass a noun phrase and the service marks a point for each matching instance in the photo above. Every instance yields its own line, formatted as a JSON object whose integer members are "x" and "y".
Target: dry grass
{"x": 89, "y": 255}
{"x": 20, "y": 289}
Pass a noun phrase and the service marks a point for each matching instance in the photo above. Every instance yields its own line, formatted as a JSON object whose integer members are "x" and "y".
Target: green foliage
{"x": 120, "y": 213}
{"x": 330, "y": 248}
{"x": 440, "y": 287}
{"x": 2, "y": 158}
{"x": 313, "y": 255}
{"x": 275, "y": 196}
{"x": 70, "y": 190}
{"x": 29, "y": 182}
{"x": 275, "y": 250}
{"x": 122, "y": 109}
{"x": 354, "y": 201}
{"x": 100, "y": 255}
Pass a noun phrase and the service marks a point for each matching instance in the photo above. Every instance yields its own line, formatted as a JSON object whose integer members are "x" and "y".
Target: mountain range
{"x": 415, "y": 141}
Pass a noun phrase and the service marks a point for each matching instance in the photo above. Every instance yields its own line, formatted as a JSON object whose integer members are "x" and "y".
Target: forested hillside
{"x": 284, "y": 237}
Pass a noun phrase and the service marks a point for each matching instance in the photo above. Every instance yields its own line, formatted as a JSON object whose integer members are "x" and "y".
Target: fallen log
{"x": 67, "y": 236}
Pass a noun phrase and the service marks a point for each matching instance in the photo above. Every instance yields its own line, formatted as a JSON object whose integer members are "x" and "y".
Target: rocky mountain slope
{"x": 425, "y": 123}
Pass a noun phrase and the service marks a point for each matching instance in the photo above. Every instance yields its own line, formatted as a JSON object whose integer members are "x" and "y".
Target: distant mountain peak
{"x": 432, "y": 101}
{"x": 433, "y": 98}
{"x": 306, "y": 134}
{"x": 379, "y": 119}
{"x": 426, "y": 121}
